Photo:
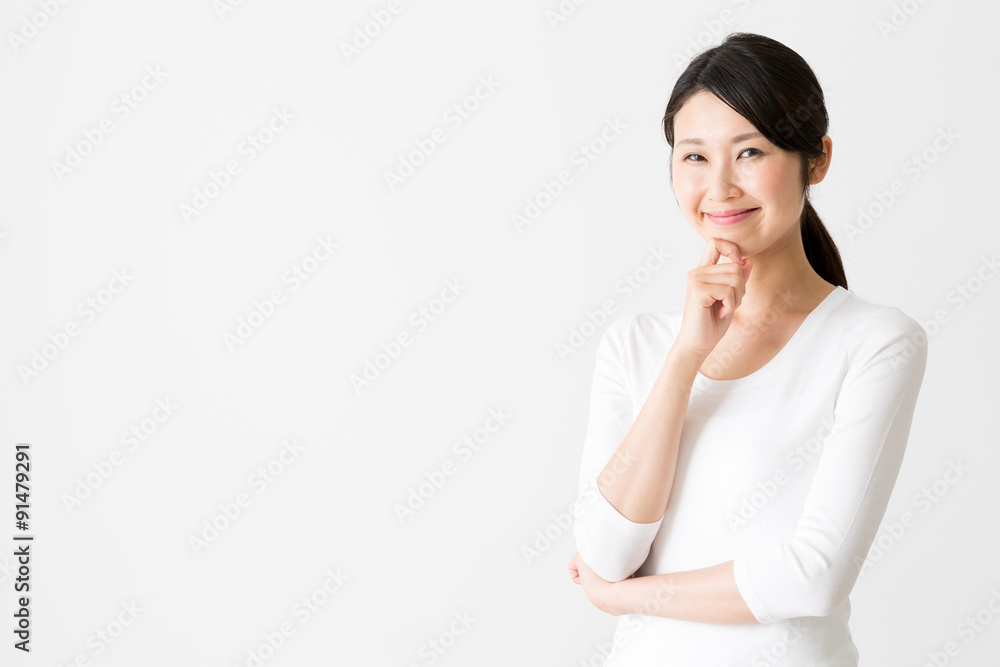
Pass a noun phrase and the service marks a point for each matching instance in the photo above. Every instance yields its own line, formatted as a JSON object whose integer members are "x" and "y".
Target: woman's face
{"x": 721, "y": 164}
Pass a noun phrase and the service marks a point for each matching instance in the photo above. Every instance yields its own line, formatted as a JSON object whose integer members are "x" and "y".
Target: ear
{"x": 819, "y": 166}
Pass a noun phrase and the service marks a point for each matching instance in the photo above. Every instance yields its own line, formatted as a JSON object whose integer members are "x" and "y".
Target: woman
{"x": 741, "y": 451}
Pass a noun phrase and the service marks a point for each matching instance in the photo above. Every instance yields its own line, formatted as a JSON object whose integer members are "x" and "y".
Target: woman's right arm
{"x": 639, "y": 477}
{"x": 615, "y": 529}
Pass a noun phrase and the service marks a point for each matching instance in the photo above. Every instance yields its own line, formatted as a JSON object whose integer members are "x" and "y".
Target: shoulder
{"x": 643, "y": 325}
{"x": 869, "y": 320}
{"x": 641, "y": 335}
{"x": 875, "y": 330}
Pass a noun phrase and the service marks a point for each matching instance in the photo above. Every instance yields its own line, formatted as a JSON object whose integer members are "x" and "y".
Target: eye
{"x": 690, "y": 157}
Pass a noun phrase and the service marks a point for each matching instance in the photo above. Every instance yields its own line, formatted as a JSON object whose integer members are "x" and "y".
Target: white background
{"x": 162, "y": 336}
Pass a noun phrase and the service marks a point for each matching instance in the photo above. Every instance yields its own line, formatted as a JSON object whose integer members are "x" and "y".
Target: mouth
{"x": 731, "y": 216}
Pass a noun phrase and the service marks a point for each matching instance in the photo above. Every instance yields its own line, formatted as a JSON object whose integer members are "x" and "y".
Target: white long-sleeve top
{"x": 786, "y": 471}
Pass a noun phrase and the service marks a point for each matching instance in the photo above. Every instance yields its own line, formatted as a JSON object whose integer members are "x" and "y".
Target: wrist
{"x": 620, "y": 597}
{"x": 683, "y": 364}
{"x": 612, "y": 598}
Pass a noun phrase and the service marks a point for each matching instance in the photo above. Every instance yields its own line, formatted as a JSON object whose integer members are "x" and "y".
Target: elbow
{"x": 785, "y": 592}
{"x": 822, "y": 597}
{"x": 611, "y": 561}
{"x": 609, "y": 569}
{"x": 613, "y": 546}
{"x": 815, "y": 601}
{"x": 821, "y": 602}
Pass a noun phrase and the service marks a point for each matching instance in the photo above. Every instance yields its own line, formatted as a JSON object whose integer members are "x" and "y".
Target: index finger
{"x": 717, "y": 248}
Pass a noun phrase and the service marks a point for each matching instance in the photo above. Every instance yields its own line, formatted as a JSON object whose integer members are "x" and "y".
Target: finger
{"x": 710, "y": 255}
{"x": 725, "y": 296}
{"x": 729, "y": 304}
{"x": 717, "y": 248}
{"x": 733, "y": 256}
{"x": 729, "y": 275}
{"x": 716, "y": 294}
{"x": 722, "y": 269}
{"x": 708, "y": 293}
{"x": 733, "y": 275}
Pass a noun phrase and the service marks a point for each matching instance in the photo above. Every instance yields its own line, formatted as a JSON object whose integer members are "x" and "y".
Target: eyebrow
{"x": 737, "y": 139}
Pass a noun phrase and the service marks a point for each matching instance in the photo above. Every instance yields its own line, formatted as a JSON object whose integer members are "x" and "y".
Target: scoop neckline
{"x": 801, "y": 333}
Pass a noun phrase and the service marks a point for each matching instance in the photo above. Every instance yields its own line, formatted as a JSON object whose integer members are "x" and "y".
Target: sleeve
{"x": 813, "y": 572}
{"x": 612, "y": 545}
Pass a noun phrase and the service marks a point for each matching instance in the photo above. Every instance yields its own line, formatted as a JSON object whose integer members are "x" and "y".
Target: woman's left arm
{"x": 707, "y": 595}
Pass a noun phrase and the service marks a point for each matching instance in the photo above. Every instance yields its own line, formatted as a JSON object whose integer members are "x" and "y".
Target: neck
{"x": 782, "y": 281}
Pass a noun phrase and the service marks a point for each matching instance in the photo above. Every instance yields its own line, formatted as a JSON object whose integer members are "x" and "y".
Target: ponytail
{"x": 820, "y": 249}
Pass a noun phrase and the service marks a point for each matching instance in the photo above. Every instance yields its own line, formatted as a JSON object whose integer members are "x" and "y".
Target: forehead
{"x": 705, "y": 116}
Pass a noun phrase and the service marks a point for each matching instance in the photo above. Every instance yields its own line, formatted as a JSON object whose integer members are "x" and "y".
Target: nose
{"x": 722, "y": 183}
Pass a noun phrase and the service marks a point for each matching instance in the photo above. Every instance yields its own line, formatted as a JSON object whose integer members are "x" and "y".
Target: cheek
{"x": 771, "y": 182}
{"x": 686, "y": 190}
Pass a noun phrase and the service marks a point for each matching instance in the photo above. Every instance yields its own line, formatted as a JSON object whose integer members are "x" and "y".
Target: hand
{"x": 714, "y": 292}
{"x": 597, "y": 590}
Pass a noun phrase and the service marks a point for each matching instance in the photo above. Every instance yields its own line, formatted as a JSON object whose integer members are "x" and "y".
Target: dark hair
{"x": 771, "y": 86}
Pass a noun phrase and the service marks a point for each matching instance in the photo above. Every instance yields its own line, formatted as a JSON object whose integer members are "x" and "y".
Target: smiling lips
{"x": 731, "y": 216}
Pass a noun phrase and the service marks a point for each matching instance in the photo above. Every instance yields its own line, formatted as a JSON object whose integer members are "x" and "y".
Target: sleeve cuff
{"x": 606, "y": 513}
{"x": 612, "y": 545}
{"x": 750, "y": 596}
